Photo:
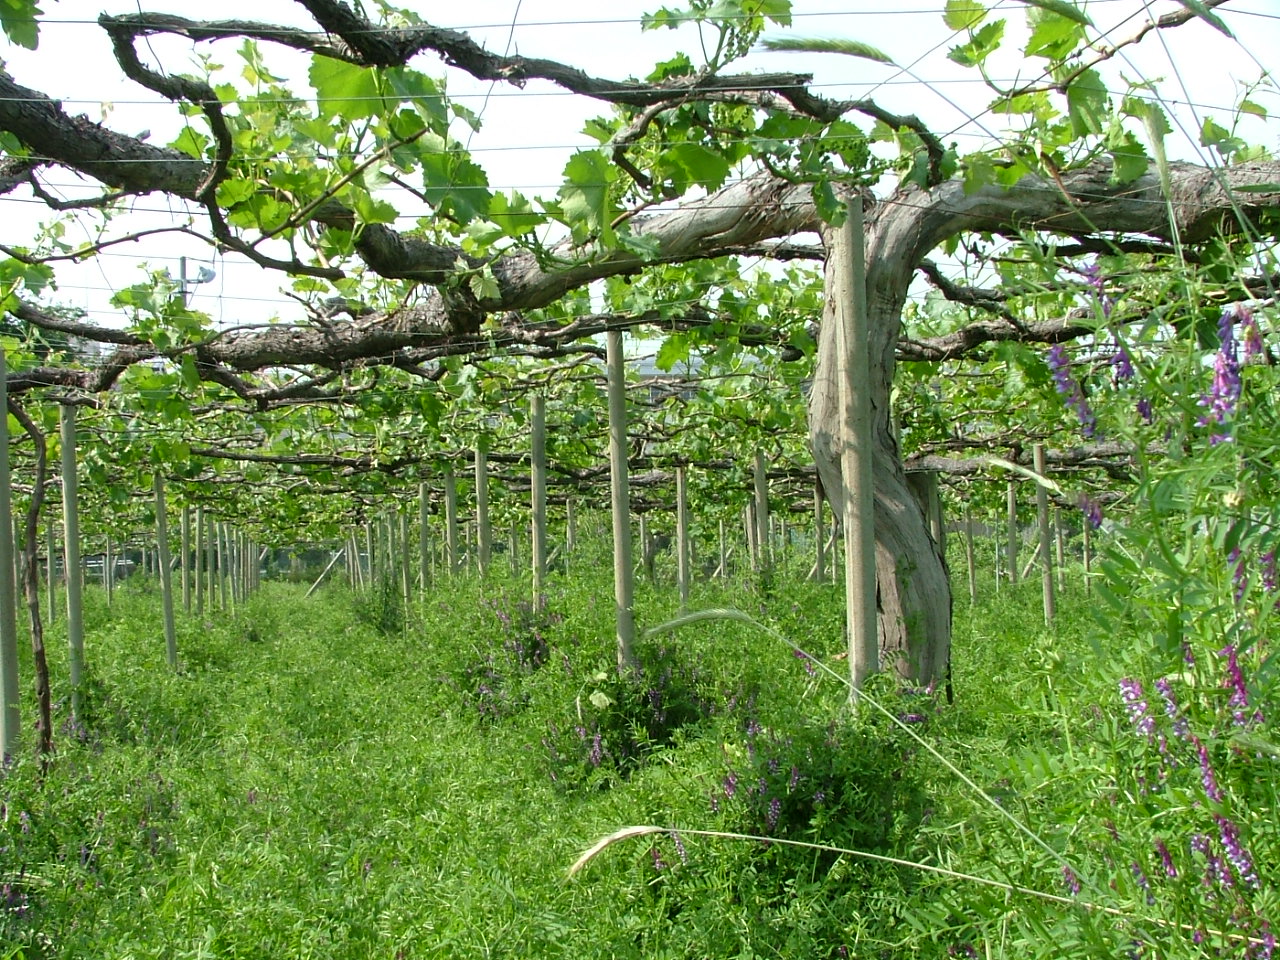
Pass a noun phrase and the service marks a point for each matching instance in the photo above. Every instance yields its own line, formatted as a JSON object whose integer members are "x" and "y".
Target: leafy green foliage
{"x": 21, "y": 22}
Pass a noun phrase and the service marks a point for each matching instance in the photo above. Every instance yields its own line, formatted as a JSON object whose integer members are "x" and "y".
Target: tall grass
{"x": 312, "y": 783}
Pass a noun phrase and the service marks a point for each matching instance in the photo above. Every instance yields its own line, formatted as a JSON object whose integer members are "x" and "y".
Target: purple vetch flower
{"x": 1222, "y": 397}
{"x": 1121, "y": 361}
{"x": 1268, "y": 564}
{"x": 805, "y": 659}
{"x": 795, "y": 778}
{"x": 1268, "y": 945}
{"x": 1229, "y": 833}
{"x": 730, "y": 784}
{"x": 1166, "y": 859}
{"x": 1146, "y": 411}
{"x": 1250, "y": 332}
{"x": 679, "y": 845}
{"x": 775, "y": 810}
{"x": 1070, "y": 390}
{"x": 658, "y": 863}
{"x": 1071, "y": 880}
{"x": 1180, "y": 726}
{"x": 1098, "y": 285}
{"x": 1092, "y": 511}
{"x": 597, "y": 751}
{"x": 1207, "y": 776}
{"x": 1215, "y": 868}
{"x": 1239, "y": 573}
{"x": 1131, "y": 694}
{"x": 1233, "y": 680}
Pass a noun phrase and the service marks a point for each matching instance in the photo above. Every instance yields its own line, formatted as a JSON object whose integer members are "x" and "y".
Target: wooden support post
{"x": 108, "y": 570}
{"x": 451, "y": 520}
{"x": 682, "y": 536}
{"x": 10, "y": 690}
{"x": 761, "y": 483}
{"x": 1060, "y": 544}
{"x": 620, "y": 501}
{"x": 970, "y": 561}
{"x": 645, "y": 555}
{"x": 424, "y": 537}
{"x": 819, "y": 534}
{"x": 51, "y": 580}
{"x": 1042, "y": 517}
{"x": 406, "y": 561}
{"x": 200, "y": 546}
{"x": 338, "y": 554}
{"x": 856, "y": 446}
{"x": 224, "y": 559}
{"x": 71, "y": 554}
{"x": 1087, "y": 549}
{"x": 184, "y": 566}
{"x": 570, "y": 528}
{"x": 538, "y": 493}
{"x": 723, "y": 569}
{"x": 484, "y": 529}
{"x": 166, "y": 575}
{"x": 1011, "y": 554}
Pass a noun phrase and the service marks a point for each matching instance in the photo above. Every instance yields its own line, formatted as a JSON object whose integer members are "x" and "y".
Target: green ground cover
{"x": 337, "y": 777}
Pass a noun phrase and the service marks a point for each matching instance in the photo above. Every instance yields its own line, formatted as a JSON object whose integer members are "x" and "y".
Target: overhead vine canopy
{"x": 318, "y": 142}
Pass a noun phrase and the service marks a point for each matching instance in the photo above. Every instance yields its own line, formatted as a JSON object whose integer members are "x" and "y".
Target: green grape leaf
{"x": 343, "y": 89}
{"x": 584, "y": 198}
{"x": 701, "y": 166}
{"x": 980, "y": 46}
{"x": 963, "y": 14}
{"x": 20, "y": 21}
{"x": 1087, "y": 103}
{"x": 1052, "y": 35}
{"x": 1063, "y": 9}
{"x": 1129, "y": 157}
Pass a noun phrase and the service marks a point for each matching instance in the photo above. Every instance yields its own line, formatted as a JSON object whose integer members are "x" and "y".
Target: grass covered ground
{"x": 337, "y": 777}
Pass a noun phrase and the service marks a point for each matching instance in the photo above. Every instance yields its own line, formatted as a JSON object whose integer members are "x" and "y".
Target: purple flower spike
{"x": 1239, "y": 573}
{"x": 1121, "y": 361}
{"x": 1098, "y": 286}
{"x": 1166, "y": 859}
{"x": 1070, "y": 391}
{"x": 1131, "y": 694}
{"x": 1092, "y": 511}
{"x": 1234, "y": 681}
{"x": 1222, "y": 397}
{"x": 1268, "y": 563}
{"x": 1071, "y": 880}
{"x": 775, "y": 810}
{"x": 1207, "y": 776}
{"x": 1236, "y": 853}
{"x": 1250, "y": 332}
{"x": 1180, "y": 726}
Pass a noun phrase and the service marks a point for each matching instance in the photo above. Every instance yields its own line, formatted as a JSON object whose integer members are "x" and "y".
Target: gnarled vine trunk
{"x": 913, "y": 589}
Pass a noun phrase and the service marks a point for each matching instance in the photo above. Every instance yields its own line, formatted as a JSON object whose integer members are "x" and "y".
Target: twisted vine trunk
{"x": 31, "y": 585}
{"x": 914, "y": 593}
{"x": 913, "y": 590}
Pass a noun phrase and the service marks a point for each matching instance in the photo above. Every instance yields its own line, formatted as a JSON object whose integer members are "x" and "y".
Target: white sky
{"x": 529, "y": 134}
